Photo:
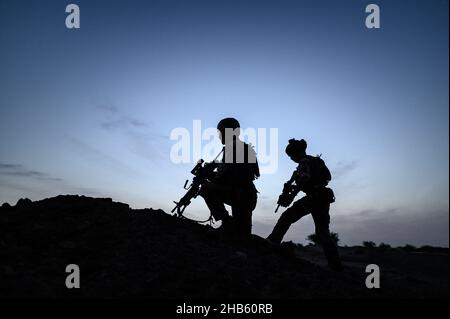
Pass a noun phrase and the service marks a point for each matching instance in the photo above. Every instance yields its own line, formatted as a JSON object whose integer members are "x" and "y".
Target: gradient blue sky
{"x": 89, "y": 111}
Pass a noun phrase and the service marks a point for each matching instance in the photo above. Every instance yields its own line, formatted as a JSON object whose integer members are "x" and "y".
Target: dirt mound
{"x": 124, "y": 252}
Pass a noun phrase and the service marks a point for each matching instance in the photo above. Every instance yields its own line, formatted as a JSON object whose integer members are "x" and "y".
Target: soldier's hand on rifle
{"x": 209, "y": 170}
{"x": 285, "y": 200}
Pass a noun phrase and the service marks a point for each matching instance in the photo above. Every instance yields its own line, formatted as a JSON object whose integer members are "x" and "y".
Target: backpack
{"x": 248, "y": 168}
{"x": 251, "y": 161}
{"x": 320, "y": 174}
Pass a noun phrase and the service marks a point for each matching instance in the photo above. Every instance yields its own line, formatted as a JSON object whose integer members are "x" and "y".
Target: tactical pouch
{"x": 329, "y": 195}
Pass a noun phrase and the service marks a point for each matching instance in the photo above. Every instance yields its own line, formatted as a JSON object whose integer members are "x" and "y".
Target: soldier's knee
{"x": 288, "y": 217}
{"x": 324, "y": 238}
{"x": 207, "y": 190}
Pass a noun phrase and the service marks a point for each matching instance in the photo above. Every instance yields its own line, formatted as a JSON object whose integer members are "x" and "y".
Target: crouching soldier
{"x": 311, "y": 177}
{"x": 233, "y": 182}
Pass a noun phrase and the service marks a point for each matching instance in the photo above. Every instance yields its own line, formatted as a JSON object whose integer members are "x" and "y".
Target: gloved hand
{"x": 209, "y": 170}
{"x": 285, "y": 200}
{"x": 330, "y": 195}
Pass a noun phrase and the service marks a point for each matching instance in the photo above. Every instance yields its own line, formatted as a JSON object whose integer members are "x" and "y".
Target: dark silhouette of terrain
{"x": 125, "y": 252}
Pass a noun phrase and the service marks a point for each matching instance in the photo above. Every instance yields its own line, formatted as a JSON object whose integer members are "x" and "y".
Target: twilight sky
{"x": 90, "y": 111}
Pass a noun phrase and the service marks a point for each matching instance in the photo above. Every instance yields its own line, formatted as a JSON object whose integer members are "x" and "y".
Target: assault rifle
{"x": 203, "y": 172}
{"x": 290, "y": 190}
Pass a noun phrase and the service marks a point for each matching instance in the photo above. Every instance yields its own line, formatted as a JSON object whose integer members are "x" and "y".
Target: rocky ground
{"x": 147, "y": 253}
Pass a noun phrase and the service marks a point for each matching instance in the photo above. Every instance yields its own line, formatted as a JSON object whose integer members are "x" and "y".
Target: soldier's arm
{"x": 222, "y": 174}
{"x": 303, "y": 173}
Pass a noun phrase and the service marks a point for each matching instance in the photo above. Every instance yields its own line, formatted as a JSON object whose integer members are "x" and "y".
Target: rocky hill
{"x": 124, "y": 252}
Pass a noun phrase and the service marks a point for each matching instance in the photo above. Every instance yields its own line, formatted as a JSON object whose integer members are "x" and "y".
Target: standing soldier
{"x": 233, "y": 182}
{"x": 311, "y": 177}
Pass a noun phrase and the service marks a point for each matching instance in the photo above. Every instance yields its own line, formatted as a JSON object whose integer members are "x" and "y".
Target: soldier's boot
{"x": 331, "y": 253}
{"x": 242, "y": 218}
{"x": 279, "y": 230}
{"x": 215, "y": 202}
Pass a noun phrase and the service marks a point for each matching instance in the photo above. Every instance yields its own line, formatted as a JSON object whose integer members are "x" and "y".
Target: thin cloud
{"x": 41, "y": 190}
{"x": 14, "y": 176}
{"x": 17, "y": 170}
{"x": 10, "y": 166}
{"x": 107, "y": 108}
{"x": 142, "y": 138}
{"x": 343, "y": 168}
{"x": 123, "y": 123}
{"x": 397, "y": 226}
{"x": 137, "y": 123}
{"x": 96, "y": 156}
{"x": 7, "y": 184}
{"x": 115, "y": 120}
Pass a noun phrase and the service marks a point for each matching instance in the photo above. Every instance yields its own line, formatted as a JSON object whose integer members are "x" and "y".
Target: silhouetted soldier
{"x": 233, "y": 182}
{"x": 311, "y": 177}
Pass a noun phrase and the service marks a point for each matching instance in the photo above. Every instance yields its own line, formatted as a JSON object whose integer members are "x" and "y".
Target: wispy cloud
{"x": 38, "y": 184}
{"x": 18, "y": 170}
{"x": 96, "y": 156}
{"x": 396, "y": 226}
{"x": 106, "y": 107}
{"x": 116, "y": 120}
{"x": 9, "y": 166}
{"x": 143, "y": 140}
{"x": 24, "y": 187}
{"x": 343, "y": 168}
{"x": 7, "y": 184}
{"x": 124, "y": 122}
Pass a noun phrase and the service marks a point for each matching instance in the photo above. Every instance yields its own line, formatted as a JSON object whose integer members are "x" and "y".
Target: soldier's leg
{"x": 242, "y": 214}
{"x": 321, "y": 216}
{"x": 299, "y": 209}
{"x": 242, "y": 221}
{"x": 215, "y": 196}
